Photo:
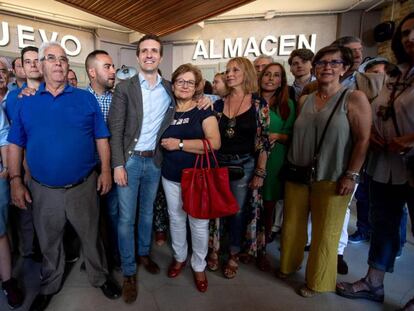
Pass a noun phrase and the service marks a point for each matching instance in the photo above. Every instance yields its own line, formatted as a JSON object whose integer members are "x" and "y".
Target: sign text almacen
{"x": 269, "y": 45}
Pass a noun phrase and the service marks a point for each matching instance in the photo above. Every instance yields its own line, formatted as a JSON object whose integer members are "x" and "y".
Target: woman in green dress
{"x": 274, "y": 89}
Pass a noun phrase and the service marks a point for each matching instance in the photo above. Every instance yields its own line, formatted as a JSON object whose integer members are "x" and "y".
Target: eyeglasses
{"x": 53, "y": 59}
{"x": 333, "y": 63}
{"x": 31, "y": 61}
{"x": 182, "y": 82}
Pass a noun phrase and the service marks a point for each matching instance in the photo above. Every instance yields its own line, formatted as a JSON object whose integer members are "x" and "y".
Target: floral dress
{"x": 254, "y": 242}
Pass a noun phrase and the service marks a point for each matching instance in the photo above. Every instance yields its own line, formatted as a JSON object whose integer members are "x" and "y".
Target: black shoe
{"x": 342, "y": 267}
{"x": 41, "y": 302}
{"x": 111, "y": 289}
{"x": 359, "y": 237}
{"x": 13, "y": 293}
{"x": 71, "y": 258}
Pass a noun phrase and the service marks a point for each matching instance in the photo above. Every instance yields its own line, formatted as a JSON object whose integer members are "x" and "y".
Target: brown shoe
{"x": 160, "y": 238}
{"x": 149, "y": 264}
{"x": 129, "y": 289}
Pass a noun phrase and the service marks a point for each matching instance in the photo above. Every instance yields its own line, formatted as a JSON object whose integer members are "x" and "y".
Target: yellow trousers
{"x": 327, "y": 214}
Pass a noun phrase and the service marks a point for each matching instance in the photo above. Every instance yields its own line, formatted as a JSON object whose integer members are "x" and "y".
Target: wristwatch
{"x": 181, "y": 145}
{"x": 352, "y": 175}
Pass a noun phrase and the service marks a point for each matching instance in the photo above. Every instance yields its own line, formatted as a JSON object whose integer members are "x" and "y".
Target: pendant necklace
{"x": 231, "y": 124}
{"x": 182, "y": 113}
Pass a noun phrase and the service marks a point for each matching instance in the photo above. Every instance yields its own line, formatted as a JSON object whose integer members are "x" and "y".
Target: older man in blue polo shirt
{"x": 61, "y": 127}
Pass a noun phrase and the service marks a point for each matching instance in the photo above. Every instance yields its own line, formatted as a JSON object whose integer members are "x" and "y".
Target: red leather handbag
{"x": 206, "y": 191}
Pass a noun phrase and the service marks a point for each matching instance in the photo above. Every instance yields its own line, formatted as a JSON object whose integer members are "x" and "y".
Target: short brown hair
{"x": 250, "y": 75}
{"x": 303, "y": 54}
{"x": 149, "y": 37}
{"x": 188, "y": 68}
{"x": 346, "y": 54}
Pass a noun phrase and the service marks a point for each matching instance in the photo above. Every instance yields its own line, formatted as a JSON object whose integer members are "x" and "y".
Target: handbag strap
{"x": 318, "y": 148}
{"x": 206, "y": 153}
{"x": 207, "y": 148}
{"x": 393, "y": 97}
{"x": 211, "y": 150}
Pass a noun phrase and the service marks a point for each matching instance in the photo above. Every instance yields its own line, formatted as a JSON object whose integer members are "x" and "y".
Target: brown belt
{"x": 145, "y": 154}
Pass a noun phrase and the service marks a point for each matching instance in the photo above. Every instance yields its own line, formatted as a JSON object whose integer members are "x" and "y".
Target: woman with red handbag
{"x": 182, "y": 141}
{"x": 244, "y": 122}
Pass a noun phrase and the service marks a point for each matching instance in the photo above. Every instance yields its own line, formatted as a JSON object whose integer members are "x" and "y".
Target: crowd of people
{"x": 102, "y": 166}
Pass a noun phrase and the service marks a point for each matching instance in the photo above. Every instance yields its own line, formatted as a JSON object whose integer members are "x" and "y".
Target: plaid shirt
{"x": 103, "y": 100}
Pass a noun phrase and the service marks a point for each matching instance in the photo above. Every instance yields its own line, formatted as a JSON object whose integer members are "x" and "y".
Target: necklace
{"x": 231, "y": 124}
{"x": 322, "y": 96}
{"x": 184, "y": 112}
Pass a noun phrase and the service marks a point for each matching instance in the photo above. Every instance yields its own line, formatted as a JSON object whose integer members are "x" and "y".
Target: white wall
{"x": 184, "y": 42}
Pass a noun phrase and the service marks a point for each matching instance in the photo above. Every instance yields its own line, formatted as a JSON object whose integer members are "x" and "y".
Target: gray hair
{"x": 46, "y": 45}
{"x": 263, "y": 56}
{"x": 346, "y": 40}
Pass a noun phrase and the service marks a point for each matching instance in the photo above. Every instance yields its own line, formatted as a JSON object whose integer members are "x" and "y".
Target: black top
{"x": 186, "y": 125}
{"x": 244, "y": 133}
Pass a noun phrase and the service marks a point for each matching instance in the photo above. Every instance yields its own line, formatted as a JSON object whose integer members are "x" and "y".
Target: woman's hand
{"x": 401, "y": 144}
{"x": 346, "y": 186}
{"x": 170, "y": 144}
{"x": 256, "y": 182}
{"x": 273, "y": 137}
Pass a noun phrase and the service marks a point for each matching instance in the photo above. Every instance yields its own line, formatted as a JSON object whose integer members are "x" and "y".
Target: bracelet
{"x": 263, "y": 177}
{"x": 260, "y": 173}
{"x": 14, "y": 176}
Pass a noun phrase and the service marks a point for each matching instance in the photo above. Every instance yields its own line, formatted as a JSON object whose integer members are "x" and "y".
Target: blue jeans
{"x": 362, "y": 205}
{"x": 403, "y": 230}
{"x": 143, "y": 180}
{"x": 240, "y": 189}
{"x": 4, "y": 205}
{"x": 386, "y": 212}
{"x": 112, "y": 211}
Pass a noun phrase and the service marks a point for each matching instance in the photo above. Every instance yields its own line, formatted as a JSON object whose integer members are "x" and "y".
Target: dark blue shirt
{"x": 12, "y": 101}
{"x": 59, "y": 134}
{"x": 186, "y": 125}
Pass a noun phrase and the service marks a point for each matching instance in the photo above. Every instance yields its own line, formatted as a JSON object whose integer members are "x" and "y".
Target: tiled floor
{"x": 250, "y": 290}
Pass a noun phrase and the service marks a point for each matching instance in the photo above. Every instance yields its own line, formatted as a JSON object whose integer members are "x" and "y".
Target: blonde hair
{"x": 250, "y": 84}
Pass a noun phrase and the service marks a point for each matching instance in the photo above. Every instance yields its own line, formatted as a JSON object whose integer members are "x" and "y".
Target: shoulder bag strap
{"x": 318, "y": 148}
{"x": 393, "y": 97}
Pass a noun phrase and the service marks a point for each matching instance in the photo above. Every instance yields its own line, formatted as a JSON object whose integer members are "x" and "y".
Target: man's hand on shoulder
{"x": 28, "y": 91}
{"x": 204, "y": 103}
